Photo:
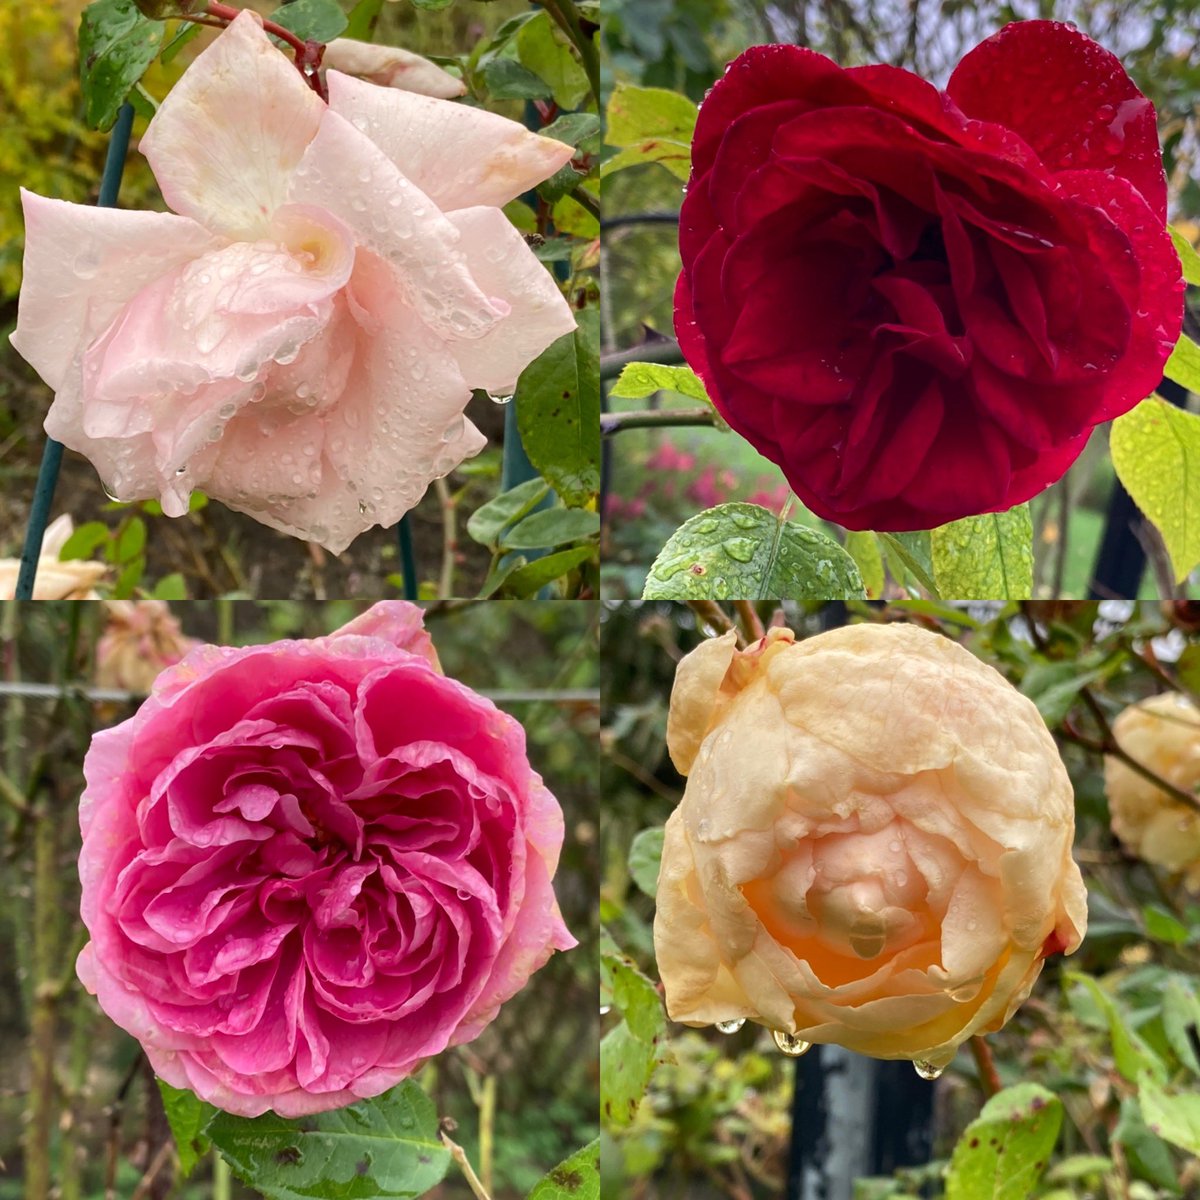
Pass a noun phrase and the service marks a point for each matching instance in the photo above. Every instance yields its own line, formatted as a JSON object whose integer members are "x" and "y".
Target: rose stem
{"x": 1107, "y": 744}
{"x": 748, "y": 618}
{"x": 714, "y": 616}
{"x": 460, "y": 1156}
{"x": 308, "y": 54}
{"x": 985, "y": 1064}
{"x": 658, "y": 418}
{"x": 449, "y": 538}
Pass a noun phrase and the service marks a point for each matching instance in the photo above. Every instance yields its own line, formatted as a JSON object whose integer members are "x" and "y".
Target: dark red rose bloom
{"x": 919, "y": 303}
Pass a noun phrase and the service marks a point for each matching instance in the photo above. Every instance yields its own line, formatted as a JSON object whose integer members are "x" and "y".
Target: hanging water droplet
{"x": 790, "y": 1044}
{"x": 731, "y": 1026}
{"x": 501, "y": 399}
{"x": 927, "y": 1070}
{"x": 605, "y": 1009}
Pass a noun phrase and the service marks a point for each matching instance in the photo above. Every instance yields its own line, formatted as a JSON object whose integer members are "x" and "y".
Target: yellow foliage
{"x": 44, "y": 144}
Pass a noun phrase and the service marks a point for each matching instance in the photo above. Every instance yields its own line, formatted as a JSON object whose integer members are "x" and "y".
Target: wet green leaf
{"x": 744, "y": 552}
{"x": 544, "y": 50}
{"x": 382, "y": 1149}
{"x": 187, "y": 1115}
{"x": 1156, "y": 453}
{"x": 989, "y": 557}
{"x": 639, "y": 380}
{"x": 116, "y": 45}
{"x": 312, "y": 20}
{"x": 576, "y": 1178}
{"x": 629, "y": 1051}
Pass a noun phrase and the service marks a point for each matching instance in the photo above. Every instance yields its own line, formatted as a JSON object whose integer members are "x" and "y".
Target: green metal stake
{"x": 408, "y": 558}
{"x": 47, "y": 480}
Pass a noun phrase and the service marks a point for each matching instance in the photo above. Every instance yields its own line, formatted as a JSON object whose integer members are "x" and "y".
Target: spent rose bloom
{"x": 141, "y": 638}
{"x": 874, "y": 845}
{"x": 390, "y": 66}
{"x": 920, "y": 303}
{"x": 1162, "y": 733}
{"x": 73, "y": 579}
{"x": 301, "y": 335}
{"x": 309, "y": 865}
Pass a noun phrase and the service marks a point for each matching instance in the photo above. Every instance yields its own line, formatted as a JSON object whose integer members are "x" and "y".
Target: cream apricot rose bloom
{"x": 1162, "y": 733}
{"x": 874, "y": 845}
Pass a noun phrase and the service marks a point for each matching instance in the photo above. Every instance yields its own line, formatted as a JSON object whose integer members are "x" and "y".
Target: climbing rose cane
{"x": 302, "y": 339}
{"x": 308, "y": 866}
{"x": 874, "y": 846}
{"x": 920, "y": 303}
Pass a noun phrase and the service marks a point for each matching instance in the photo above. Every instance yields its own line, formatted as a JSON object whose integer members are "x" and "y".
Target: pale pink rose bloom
{"x": 308, "y": 866}
{"x": 874, "y": 846}
{"x": 55, "y": 580}
{"x": 390, "y": 66}
{"x": 141, "y": 638}
{"x": 301, "y": 340}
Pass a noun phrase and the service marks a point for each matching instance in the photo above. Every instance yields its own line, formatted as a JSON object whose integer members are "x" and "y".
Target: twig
{"x": 623, "y": 220}
{"x": 666, "y": 351}
{"x": 752, "y": 626}
{"x": 985, "y": 1064}
{"x": 715, "y": 617}
{"x": 658, "y": 418}
{"x": 152, "y": 1171}
{"x": 449, "y": 538}
{"x": 460, "y": 1156}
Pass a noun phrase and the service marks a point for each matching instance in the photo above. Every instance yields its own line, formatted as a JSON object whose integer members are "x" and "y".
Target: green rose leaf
{"x": 543, "y": 50}
{"x": 187, "y": 1115}
{"x": 645, "y": 859}
{"x": 639, "y": 380}
{"x": 551, "y": 527}
{"x": 312, "y": 20}
{"x": 913, "y": 555}
{"x": 506, "y": 79}
{"x": 1003, "y": 1152}
{"x": 116, "y": 45}
{"x": 383, "y": 1149}
{"x": 1188, "y": 256}
{"x": 1184, "y": 364}
{"x": 863, "y": 546}
{"x": 558, "y": 411}
{"x": 629, "y": 1051}
{"x": 650, "y": 125}
{"x": 989, "y": 557}
{"x": 486, "y": 522}
{"x": 745, "y": 552}
{"x": 576, "y": 1178}
{"x": 1176, "y": 1119}
{"x": 1156, "y": 453}
{"x": 528, "y": 578}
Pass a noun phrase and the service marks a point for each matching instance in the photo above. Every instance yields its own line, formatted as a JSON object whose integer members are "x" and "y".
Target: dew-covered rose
{"x": 1163, "y": 734}
{"x": 301, "y": 335}
{"x": 918, "y": 302}
{"x": 309, "y": 865}
{"x": 874, "y": 845}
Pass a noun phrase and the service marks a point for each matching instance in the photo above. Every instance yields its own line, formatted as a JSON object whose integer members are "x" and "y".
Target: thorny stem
{"x": 460, "y": 1156}
{"x": 308, "y": 54}
{"x": 985, "y": 1064}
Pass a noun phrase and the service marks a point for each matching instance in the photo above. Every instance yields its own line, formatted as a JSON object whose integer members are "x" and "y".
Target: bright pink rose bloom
{"x": 307, "y": 866}
{"x": 920, "y": 303}
{"x": 302, "y": 339}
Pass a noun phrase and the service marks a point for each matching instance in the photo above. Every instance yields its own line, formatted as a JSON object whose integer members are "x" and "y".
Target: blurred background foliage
{"x": 715, "y": 1118}
{"x": 683, "y": 45}
{"x": 46, "y": 147}
{"x": 523, "y": 1094}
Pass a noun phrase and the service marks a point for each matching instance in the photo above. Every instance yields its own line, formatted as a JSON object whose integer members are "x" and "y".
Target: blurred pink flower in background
{"x": 308, "y": 866}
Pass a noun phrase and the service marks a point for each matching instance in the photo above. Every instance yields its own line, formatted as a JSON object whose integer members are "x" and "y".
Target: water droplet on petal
{"x": 731, "y": 1026}
{"x": 790, "y": 1044}
{"x": 501, "y": 399}
{"x": 927, "y": 1070}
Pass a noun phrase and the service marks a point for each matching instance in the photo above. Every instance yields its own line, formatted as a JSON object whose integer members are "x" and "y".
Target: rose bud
{"x": 308, "y": 866}
{"x": 1163, "y": 734}
{"x": 920, "y": 303}
{"x": 873, "y": 848}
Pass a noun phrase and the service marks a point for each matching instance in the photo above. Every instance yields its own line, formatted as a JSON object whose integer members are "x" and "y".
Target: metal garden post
{"x": 47, "y": 480}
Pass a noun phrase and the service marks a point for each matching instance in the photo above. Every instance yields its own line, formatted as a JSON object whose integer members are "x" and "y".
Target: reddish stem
{"x": 986, "y": 1065}
{"x": 308, "y": 54}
